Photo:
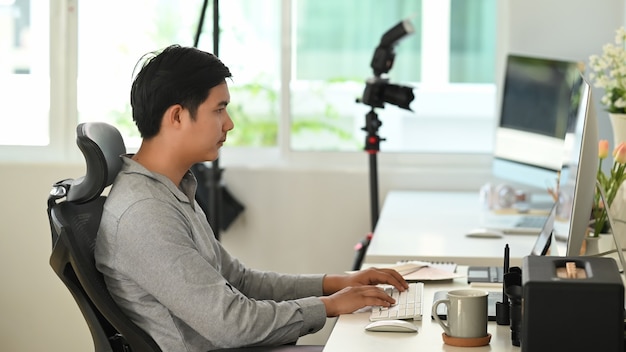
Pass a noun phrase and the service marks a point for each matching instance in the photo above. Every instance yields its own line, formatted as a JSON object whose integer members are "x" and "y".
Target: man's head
{"x": 175, "y": 76}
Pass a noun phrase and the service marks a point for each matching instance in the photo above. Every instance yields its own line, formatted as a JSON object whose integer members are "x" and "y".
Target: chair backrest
{"x": 74, "y": 212}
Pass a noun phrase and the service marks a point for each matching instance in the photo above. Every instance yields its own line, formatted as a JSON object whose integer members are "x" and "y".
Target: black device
{"x": 582, "y": 312}
{"x": 513, "y": 291}
{"x": 485, "y": 274}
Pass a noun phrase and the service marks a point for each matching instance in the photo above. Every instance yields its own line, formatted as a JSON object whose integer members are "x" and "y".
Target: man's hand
{"x": 350, "y": 299}
{"x": 371, "y": 276}
{"x": 357, "y": 290}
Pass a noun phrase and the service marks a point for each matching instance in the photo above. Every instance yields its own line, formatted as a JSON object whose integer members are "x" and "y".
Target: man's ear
{"x": 172, "y": 117}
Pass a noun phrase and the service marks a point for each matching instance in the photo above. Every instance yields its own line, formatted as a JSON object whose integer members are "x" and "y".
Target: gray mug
{"x": 467, "y": 313}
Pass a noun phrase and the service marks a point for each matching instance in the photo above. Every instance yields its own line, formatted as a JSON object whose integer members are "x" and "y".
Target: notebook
{"x": 415, "y": 270}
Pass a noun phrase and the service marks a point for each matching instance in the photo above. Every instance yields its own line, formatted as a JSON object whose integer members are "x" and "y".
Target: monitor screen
{"x": 578, "y": 175}
{"x": 534, "y": 112}
{"x": 544, "y": 240}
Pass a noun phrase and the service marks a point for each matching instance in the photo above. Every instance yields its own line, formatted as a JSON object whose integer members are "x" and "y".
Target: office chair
{"x": 74, "y": 224}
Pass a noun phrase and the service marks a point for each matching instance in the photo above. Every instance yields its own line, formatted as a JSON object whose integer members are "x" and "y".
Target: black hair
{"x": 175, "y": 75}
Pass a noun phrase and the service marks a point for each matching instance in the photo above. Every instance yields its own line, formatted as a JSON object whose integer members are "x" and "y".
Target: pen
{"x": 505, "y": 298}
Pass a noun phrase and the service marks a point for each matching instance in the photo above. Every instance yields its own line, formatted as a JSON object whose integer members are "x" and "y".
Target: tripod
{"x": 379, "y": 91}
{"x": 372, "y": 147}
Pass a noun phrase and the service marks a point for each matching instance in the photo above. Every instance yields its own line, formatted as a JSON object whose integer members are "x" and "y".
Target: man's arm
{"x": 157, "y": 249}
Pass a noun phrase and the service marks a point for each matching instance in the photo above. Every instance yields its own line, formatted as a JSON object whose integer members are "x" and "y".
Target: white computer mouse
{"x": 393, "y": 325}
{"x": 484, "y": 232}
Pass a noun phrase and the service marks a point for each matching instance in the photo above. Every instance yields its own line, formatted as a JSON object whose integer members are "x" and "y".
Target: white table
{"x": 432, "y": 226}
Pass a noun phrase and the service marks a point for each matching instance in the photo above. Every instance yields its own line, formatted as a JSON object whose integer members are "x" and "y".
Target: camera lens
{"x": 398, "y": 95}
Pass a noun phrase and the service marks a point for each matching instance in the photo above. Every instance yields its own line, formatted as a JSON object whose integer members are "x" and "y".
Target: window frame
{"x": 64, "y": 114}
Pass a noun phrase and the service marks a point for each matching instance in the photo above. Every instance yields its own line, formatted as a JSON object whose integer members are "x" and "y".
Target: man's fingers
{"x": 392, "y": 277}
{"x": 379, "y": 295}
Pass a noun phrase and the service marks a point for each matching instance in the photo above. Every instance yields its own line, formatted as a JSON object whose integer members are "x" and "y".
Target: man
{"x": 160, "y": 259}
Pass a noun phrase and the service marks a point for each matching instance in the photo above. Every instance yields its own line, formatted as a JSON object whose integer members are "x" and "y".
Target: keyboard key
{"x": 408, "y": 304}
{"x": 531, "y": 221}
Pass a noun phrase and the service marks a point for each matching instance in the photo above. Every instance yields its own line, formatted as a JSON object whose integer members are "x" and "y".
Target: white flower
{"x": 608, "y": 71}
{"x": 620, "y": 102}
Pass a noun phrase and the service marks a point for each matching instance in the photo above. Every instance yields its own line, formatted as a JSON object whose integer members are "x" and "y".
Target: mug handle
{"x": 444, "y": 326}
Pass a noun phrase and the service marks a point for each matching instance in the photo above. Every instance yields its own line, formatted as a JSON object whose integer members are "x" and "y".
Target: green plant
{"x": 254, "y": 110}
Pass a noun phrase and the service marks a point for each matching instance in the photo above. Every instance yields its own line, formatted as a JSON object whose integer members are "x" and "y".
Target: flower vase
{"x": 618, "y": 123}
{"x": 591, "y": 245}
{"x": 618, "y": 207}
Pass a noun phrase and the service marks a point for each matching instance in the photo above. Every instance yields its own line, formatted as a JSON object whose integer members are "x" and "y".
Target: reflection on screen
{"x": 535, "y": 110}
{"x": 536, "y": 95}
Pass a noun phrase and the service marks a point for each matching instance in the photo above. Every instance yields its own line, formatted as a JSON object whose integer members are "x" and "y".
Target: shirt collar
{"x": 188, "y": 185}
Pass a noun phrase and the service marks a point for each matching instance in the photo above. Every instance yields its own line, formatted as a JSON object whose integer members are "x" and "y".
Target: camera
{"x": 378, "y": 90}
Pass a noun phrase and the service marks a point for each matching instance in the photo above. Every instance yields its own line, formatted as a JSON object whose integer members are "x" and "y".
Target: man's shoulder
{"x": 131, "y": 207}
{"x": 130, "y": 190}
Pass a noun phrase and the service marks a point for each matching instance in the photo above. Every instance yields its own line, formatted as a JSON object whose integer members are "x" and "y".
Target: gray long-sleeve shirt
{"x": 165, "y": 269}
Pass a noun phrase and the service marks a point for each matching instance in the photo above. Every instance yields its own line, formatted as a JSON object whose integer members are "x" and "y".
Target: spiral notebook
{"x": 427, "y": 271}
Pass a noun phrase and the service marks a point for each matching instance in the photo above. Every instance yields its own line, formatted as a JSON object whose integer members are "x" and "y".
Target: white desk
{"x": 431, "y": 226}
{"x": 349, "y": 334}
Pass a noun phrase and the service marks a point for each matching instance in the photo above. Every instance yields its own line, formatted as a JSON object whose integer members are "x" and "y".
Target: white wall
{"x": 563, "y": 29}
{"x": 302, "y": 220}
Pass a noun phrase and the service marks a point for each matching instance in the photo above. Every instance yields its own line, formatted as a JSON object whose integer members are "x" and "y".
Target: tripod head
{"x": 378, "y": 90}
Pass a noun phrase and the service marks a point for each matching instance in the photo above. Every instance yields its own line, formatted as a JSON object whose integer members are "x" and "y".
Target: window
{"x": 298, "y": 68}
{"x": 24, "y": 82}
{"x": 450, "y": 57}
{"x": 112, "y": 39}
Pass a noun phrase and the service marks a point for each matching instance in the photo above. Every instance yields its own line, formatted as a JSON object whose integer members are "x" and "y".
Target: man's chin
{"x": 211, "y": 156}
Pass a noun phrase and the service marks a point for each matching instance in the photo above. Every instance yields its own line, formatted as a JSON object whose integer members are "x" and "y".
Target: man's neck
{"x": 161, "y": 162}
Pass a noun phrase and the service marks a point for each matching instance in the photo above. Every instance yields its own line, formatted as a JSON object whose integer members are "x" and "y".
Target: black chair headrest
{"x": 102, "y": 145}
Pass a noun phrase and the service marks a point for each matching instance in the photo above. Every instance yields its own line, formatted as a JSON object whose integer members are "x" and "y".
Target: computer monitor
{"x": 578, "y": 174}
{"x": 534, "y": 112}
{"x": 544, "y": 239}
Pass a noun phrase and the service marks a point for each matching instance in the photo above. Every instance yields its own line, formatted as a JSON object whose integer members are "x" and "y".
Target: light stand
{"x": 379, "y": 91}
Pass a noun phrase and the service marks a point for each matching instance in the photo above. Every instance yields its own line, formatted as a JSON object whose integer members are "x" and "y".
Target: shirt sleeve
{"x": 158, "y": 249}
{"x": 267, "y": 284}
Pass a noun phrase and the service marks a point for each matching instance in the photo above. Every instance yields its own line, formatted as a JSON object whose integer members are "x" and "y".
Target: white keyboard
{"x": 408, "y": 303}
